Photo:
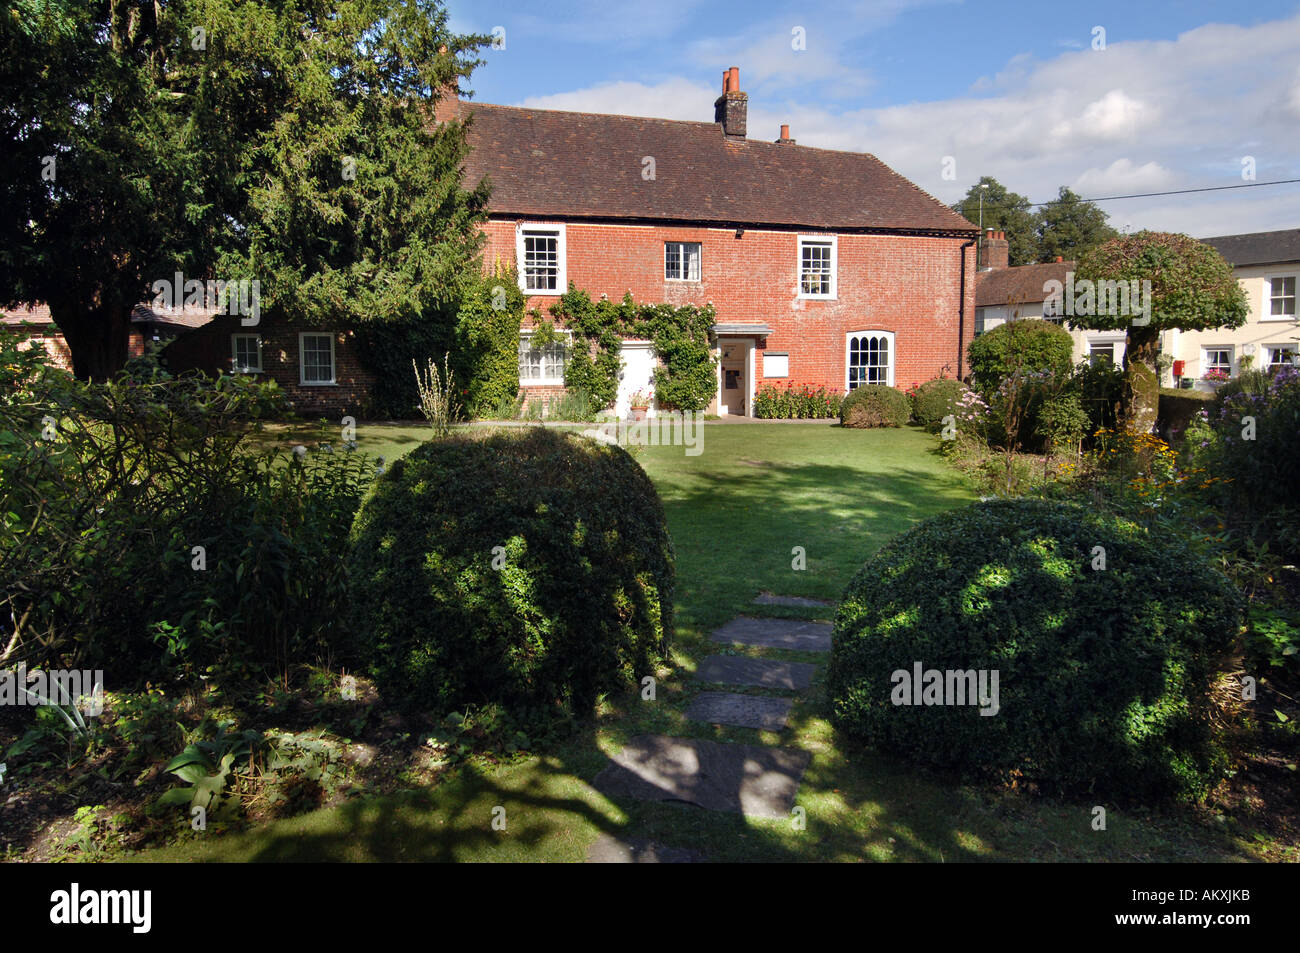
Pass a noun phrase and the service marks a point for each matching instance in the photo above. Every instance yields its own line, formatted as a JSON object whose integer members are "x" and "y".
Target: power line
{"x": 1137, "y": 195}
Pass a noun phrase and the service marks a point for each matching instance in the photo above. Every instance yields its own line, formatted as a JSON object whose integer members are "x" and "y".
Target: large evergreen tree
{"x": 284, "y": 141}
{"x": 1069, "y": 227}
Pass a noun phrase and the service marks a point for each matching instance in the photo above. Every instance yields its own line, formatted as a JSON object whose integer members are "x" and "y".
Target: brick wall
{"x": 209, "y": 348}
{"x": 904, "y": 284}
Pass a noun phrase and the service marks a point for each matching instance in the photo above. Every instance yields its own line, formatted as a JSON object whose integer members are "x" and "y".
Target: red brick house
{"x": 824, "y": 268}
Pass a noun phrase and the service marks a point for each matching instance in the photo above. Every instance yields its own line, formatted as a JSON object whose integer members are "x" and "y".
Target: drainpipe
{"x": 961, "y": 308}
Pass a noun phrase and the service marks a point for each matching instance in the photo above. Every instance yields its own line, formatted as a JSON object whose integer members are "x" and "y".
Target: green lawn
{"x": 736, "y": 511}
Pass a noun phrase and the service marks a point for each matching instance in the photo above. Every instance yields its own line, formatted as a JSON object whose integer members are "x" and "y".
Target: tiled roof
{"x": 548, "y": 163}
{"x": 35, "y": 313}
{"x": 1259, "y": 248}
{"x": 184, "y": 316}
{"x": 1021, "y": 285}
{"x": 141, "y": 314}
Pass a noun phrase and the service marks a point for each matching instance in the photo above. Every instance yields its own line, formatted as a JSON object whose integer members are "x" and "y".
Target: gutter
{"x": 961, "y": 307}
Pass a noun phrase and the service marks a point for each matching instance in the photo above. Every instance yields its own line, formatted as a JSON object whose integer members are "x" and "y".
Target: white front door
{"x": 637, "y": 374}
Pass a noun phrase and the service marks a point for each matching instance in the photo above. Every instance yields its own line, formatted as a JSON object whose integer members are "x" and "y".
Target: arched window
{"x": 870, "y": 358}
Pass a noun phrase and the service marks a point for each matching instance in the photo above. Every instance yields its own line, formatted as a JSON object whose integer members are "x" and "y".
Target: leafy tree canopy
{"x": 287, "y": 142}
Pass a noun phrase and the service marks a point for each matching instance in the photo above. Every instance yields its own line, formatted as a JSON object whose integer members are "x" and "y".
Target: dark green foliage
{"x": 686, "y": 378}
{"x": 284, "y": 148}
{"x": 875, "y": 405}
{"x": 1099, "y": 385}
{"x": 935, "y": 400}
{"x": 100, "y": 522}
{"x": 480, "y": 333}
{"x": 1068, "y": 227}
{"x": 1258, "y": 453}
{"x": 526, "y": 568}
{"x": 1027, "y": 345}
{"x": 1104, "y": 674}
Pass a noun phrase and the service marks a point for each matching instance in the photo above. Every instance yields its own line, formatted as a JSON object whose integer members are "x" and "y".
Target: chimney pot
{"x": 1059, "y": 259}
{"x": 730, "y": 109}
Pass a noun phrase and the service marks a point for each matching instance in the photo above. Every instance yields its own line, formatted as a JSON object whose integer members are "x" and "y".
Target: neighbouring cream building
{"x": 1267, "y": 266}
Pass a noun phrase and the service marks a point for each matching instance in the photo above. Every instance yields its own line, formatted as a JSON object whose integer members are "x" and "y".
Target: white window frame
{"x": 1266, "y": 313}
{"x": 302, "y": 362}
{"x": 1205, "y": 358}
{"x": 1094, "y": 349}
{"x": 770, "y": 371}
{"x": 235, "y": 366}
{"x": 889, "y": 367}
{"x": 699, "y": 275}
{"x": 834, "y": 243}
{"x": 561, "y": 271}
{"x": 1270, "y": 348}
{"x": 524, "y": 336}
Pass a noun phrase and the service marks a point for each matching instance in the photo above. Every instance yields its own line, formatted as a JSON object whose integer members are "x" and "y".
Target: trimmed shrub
{"x": 875, "y": 405}
{"x": 529, "y": 569}
{"x": 1027, "y": 344}
{"x": 935, "y": 400}
{"x": 1104, "y": 674}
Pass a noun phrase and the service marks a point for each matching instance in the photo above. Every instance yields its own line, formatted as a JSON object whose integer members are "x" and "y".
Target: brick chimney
{"x": 732, "y": 106}
{"x": 996, "y": 250}
{"x": 785, "y": 139}
{"x": 448, "y": 105}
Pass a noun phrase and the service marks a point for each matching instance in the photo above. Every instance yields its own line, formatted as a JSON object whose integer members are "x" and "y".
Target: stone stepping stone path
{"x": 610, "y": 850}
{"x": 777, "y": 634}
{"x": 751, "y": 779}
{"x": 755, "y": 780}
{"x": 747, "y": 711}
{"x": 771, "y": 599}
{"x": 761, "y": 673}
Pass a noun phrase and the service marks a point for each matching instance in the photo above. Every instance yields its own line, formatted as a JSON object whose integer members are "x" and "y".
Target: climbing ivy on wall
{"x": 686, "y": 378}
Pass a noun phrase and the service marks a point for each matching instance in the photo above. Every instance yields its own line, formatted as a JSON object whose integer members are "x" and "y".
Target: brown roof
{"x": 549, "y": 163}
{"x": 1021, "y": 285}
{"x": 35, "y": 313}
{"x": 184, "y": 316}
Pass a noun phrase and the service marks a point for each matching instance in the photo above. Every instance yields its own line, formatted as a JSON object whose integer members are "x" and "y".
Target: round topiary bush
{"x": 1027, "y": 344}
{"x": 528, "y": 569}
{"x": 1103, "y": 674}
{"x": 875, "y": 405}
{"x": 935, "y": 400}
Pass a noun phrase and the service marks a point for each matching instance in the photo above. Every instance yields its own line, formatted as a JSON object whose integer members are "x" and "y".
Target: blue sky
{"x": 1180, "y": 96}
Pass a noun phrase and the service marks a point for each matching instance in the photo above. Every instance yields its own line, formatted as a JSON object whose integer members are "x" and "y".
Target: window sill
{"x": 542, "y": 382}
{"x": 804, "y": 297}
{"x": 1279, "y": 319}
{"x": 318, "y": 383}
{"x": 542, "y": 294}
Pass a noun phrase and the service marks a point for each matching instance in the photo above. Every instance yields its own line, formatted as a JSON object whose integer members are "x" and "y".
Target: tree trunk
{"x": 97, "y": 337}
{"x": 1141, "y": 394}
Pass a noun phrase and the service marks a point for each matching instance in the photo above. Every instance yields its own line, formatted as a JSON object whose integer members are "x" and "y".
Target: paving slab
{"x": 771, "y": 599}
{"x": 762, "y": 673}
{"x": 749, "y": 779}
{"x": 777, "y": 634}
{"x": 746, "y": 711}
{"x": 608, "y": 849}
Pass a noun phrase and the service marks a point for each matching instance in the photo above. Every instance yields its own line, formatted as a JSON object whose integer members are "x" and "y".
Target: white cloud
{"x": 1138, "y": 116}
{"x": 1123, "y": 176}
